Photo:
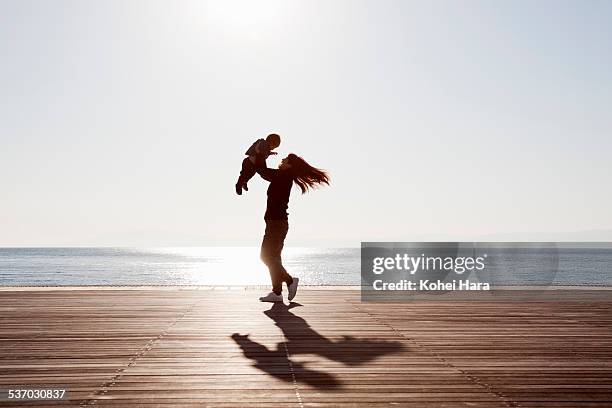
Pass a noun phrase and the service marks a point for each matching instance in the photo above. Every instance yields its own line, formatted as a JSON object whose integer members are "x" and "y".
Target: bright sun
{"x": 247, "y": 14}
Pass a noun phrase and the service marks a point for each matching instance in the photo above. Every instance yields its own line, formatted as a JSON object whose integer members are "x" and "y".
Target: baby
{"x": 257, "y": 154}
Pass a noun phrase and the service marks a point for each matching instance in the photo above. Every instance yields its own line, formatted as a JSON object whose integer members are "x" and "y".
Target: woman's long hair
{"x": 304, "y": 175}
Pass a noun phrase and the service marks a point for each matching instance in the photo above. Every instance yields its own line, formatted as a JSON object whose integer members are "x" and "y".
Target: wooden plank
{"x": 179, "y": 347}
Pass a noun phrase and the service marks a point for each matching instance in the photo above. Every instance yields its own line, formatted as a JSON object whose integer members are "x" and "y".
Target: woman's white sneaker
{"x": 293, "y": 288}
{"x": 271, "y": 297}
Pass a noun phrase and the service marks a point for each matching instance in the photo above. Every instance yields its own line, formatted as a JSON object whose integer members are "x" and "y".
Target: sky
{"x": 124, "y": 123}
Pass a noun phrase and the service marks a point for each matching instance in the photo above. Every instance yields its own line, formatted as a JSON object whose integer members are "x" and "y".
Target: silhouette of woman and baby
{"x": 300, "y": 337}
{"x": 292, "y": 169}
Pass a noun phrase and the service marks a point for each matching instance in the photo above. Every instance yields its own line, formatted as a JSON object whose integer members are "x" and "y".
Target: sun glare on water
{"x": 222, "y": 266}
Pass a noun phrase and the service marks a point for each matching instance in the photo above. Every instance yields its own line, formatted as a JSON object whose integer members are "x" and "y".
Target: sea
{"x": 241, "y": 266}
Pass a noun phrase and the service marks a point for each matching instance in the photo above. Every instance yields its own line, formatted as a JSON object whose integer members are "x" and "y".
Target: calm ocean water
{"x": 241, "y": 266}
{"x": 171, "y": 266}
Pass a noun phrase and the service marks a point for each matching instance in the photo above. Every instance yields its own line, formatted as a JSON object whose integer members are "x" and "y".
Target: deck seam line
{"x": 293, "y": 377}
{"x": 103, "y": 388}
{"x": 472, "y": 378}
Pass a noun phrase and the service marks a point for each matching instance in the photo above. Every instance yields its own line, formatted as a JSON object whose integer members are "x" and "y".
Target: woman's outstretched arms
{"x": 266, "y": 173}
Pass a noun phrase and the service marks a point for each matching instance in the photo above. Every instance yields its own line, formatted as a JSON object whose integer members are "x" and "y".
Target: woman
{"x": 291, "y": 169}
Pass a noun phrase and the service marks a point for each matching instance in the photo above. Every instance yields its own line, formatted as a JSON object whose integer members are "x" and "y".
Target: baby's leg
{"x": 248, "y": 170}
{"x": 246, "y": 173}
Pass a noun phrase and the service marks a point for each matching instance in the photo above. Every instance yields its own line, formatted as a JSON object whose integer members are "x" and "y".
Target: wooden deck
{"x": 222, "y": 348}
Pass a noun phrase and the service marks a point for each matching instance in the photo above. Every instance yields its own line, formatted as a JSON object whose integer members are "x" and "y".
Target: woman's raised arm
{"x": 265, "y": 172}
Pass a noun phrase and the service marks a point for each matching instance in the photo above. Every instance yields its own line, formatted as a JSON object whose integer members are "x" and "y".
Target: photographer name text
{"x": 412, "y": 264}
{"x": 429, "y": 285}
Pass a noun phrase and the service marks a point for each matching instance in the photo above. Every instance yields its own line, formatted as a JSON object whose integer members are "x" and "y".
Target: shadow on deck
{"x": 303, "y": 339}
